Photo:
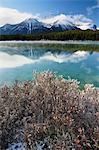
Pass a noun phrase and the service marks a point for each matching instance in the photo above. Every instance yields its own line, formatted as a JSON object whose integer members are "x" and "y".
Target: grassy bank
{"x": 50, "y": 110}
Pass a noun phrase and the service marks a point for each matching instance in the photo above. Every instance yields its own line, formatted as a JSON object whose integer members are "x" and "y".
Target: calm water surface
{"x": 20, "y": 61}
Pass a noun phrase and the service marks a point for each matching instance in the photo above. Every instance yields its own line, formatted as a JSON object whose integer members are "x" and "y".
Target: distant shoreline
{"x": 53, "y": 42}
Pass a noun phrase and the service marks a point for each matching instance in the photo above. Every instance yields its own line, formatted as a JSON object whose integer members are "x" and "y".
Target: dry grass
{"x": 52, "y": 110}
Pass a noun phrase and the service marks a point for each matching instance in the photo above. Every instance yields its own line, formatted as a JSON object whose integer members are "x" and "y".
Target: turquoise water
{"x": 20, "y": 62}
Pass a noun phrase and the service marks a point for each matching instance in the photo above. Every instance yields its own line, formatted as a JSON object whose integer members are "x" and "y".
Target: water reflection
{"x": 19, "y": 63}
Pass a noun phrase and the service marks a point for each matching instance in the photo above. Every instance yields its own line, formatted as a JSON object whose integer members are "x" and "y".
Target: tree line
{"x": 65, "y": 35}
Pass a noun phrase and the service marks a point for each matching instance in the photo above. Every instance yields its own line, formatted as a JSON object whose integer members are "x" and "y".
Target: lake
{"x": 19, "y": 61}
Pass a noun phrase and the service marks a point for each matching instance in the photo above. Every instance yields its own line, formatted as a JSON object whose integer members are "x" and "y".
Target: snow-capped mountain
{"x": 59, "y": 22}
{"x": 63, "y": 25}
{"x": 31, "y": 25}
{"x": 26, "y": 27}
{"x": 78, "y": 21}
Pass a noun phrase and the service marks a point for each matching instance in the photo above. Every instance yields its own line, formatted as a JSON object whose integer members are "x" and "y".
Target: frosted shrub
{"x": 50, "y": 112}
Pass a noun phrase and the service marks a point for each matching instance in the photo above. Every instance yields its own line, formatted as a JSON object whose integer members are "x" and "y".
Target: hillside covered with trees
{"x": 65, "y": 35}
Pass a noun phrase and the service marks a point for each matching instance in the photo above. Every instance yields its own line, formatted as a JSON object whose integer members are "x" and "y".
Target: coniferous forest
{"x": 65, "y": 35}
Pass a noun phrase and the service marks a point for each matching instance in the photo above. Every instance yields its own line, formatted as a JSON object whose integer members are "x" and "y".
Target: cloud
{"x": 13, "y": 16}
{"x": 97, "y": 2}
{"x": 87, "y": 69}
{"x": 65, "y": 58}
{"x": 90, "y": 10}
{"x": 98, "y": 59}
{"x": 97, "y": 67}
{"x": 12, "y": 61}
{"x": 80, "y": 20}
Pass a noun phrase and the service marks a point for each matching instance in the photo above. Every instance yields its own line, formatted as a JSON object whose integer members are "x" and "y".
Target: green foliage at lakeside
{"x": 66, "y": 35}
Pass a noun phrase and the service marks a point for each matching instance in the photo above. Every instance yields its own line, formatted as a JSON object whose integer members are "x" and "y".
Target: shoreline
{"x": 53, "y": 42}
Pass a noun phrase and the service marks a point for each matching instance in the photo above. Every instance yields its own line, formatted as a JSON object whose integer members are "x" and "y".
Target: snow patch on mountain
{"x": 60, "y": 22}
{"x": 79, "y": 21}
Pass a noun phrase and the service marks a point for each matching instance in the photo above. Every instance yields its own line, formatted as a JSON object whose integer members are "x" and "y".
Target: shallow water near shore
{"x": 20, "y": 61}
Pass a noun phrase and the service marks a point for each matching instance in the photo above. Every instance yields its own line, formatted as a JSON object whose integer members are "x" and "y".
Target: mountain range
{"x": 31, "y": 25}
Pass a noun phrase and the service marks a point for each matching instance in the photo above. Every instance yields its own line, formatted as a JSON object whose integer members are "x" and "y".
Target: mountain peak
{"x": 31, "y": 21}
{"x": 80, "y": 21}
{"x": 57, "y": 23}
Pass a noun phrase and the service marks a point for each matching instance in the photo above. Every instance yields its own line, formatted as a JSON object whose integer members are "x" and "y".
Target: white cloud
{"x": 86, "y": 68}
{"x": 97, "y": 67}
{"x": 97, "y": 2}
{"x": 12, "y": 61}
{"x": 90, "y": 10}
{"x": 79, "y": 20}
{"x": 13, "y": 16}
{"x": 62, "y": 58}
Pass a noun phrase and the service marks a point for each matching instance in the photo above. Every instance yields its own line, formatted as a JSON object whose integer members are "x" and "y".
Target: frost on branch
{"x": 50, "y": 112}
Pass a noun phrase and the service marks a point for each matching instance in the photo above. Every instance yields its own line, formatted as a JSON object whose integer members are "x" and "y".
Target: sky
{"x": 17, "y": 10}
